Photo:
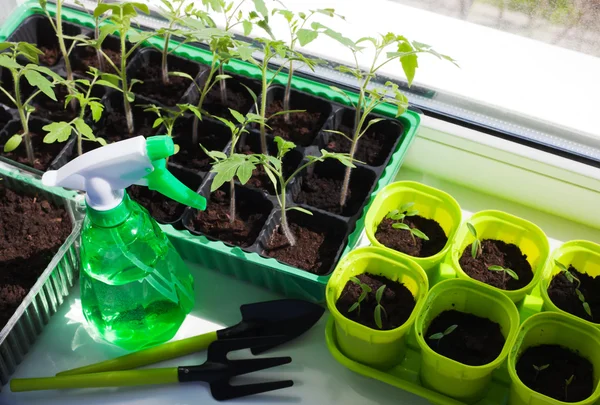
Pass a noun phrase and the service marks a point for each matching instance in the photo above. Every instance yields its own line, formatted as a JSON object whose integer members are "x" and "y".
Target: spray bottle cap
{"x": 104, "y": 174}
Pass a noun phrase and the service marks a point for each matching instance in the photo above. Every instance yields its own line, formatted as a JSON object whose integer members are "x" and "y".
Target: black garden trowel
{"x": 287, "y": 319}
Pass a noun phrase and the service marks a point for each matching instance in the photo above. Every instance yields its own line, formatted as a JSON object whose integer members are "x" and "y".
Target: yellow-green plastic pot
{"x": 449, "y": 377}
{"x": 430, "y": 202}
{"x": 377, "y": 348}
{"x": 584, "y": 256}
{"x": 510, "y": 229}
{"x": 553, "y": 328}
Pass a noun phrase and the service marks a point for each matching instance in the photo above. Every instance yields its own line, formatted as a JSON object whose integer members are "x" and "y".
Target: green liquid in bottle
{"x": 135, "y": 288}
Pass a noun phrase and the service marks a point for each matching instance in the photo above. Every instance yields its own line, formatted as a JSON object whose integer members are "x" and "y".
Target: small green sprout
{"x": 538, "y": 369}
{"x": 379, "y": 308}
{"x": 586, "y": 306}
{"x": 568, "y": 275}
{"x": 365, "y": 290}
{"x": 400, "y": 215}
{"x": 568, "y": 382}
{"x": 476, "y": 245}
{"x": 505, "y": 270}
{"x": 440, "y": 335}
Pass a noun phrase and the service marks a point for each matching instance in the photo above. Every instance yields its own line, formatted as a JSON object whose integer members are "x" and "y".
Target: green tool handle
{"x": 151, "y": 355}
{"x": 110, "y": 379}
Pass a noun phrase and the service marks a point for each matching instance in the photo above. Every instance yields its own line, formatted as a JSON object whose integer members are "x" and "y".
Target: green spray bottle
{"x": 135, "y": 288}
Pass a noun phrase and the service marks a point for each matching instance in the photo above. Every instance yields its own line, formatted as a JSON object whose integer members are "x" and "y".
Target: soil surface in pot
{"x": 87, "y": 58}
{"x": 300, "y": 128}
{"x": 55, "y": 111}
{"x": 402, "y": 240}
{"x": 214, "y": 221}
{"x": 475, "y": 341}
{"x": 5, "y": 117}
{"x": 43, "y": 153}
{"x": 497, "y": 253}
{"x": 316, "y": 246}
{"x": 557, "y": 364}
{"x": 113, "y": 128}
{"x": 373, "y": 147}
{"x": 31, "y": 232}
{"x": 238, "y": 99}
{"x": 191, "y": 155}
{"x": 563, "y": 294}
{"x": 154, "y": 88}
{"x": 51, "y": 55}
{"x": 397, "y": 301}
{"x": 259, "y": 178}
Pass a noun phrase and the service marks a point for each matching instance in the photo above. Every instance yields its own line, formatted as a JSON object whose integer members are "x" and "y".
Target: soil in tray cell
{"x": 251, "y": 215}
{"x": 84, "y": 57}
{"x": 212, "y": 136}
{"x": 373, "y": 147}
{"x": 53, "y": 110}
{"x": 238, "y": 98}
{"x": 497, "y": 253}
{"x": 5, "y": 117}
{"x": 563, "y": 294}
{"x": 160, "y": 207}
{"x": 317, "y": 242}
{"x": 404, "y": 241}
{"x": 556, "y": 365}
{"x": 31, "y": 232}
{"x": 43, "y": 153}
{"x": 301, "y": 127}
{"x": 397, "y": 302}
{"x": 322, "y": 187}
{"x": 474, "y": 341}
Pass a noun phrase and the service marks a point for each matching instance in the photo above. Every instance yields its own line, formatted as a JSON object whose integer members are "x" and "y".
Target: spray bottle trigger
{"x": 164, "y": 182}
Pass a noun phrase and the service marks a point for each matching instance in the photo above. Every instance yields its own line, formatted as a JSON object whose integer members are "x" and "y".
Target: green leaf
{"x": 406, "y": 206}
{"x": 271, "y": 175}
{"x": 57, "y": 132}
{"x": 400, "y": 225}
{"x": 238, "y": 117}
{"x": 561, "y": 266}
{"x": 247, "y": 27}
{"x": 97, "y": 110}
{"x": 363, "y": 294}
{"x": 305, "y": 36}
{"x": 353, "y": 307}
{"x": 580, "y": 295}
{"x": 157, "y": 122}
{"x": 412, "y": 213}
{"x": 436, "y": 336}
{"x": 392, "y": 214}
{"x": 13, "y": 143}
{"x": 84, "y": 129}
{"x": 545, "y": 366}
{"x": 379, "y": 293}
{"x": 450, "y": 329}
{"x": 105, "y": 30}
{"x": 512, "y": 273}
{"x": 419, "y": 234}
{"x": 283, "y": 146}
{"x": 260, "y": 6}
{"x": 35, "y": 79}
{"x": 495, "y": 268}
{"x": 475, "y": 248}
{"x": 182, "y": 74}
{"x": 377, "y": 316}
{"x": 472, "y": 229}
{"x": 244, "y": 171}
{"x": 5, "y": 45}
{"x": 302, "y": 210}
{"x": 569, "y": 276}
{"x": 101, "y": 141}
{"x": 7, "y": 62}
{"x": 355, "y": 280}
{"x": 587, "y": 308}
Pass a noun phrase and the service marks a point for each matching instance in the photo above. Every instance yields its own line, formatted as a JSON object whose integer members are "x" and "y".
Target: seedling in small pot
{"x": 538, "y": 369}
{"x": 400, "y": 215}
{"x": 228, "y": 167}
{"x": 274, "y": 169}
{"x": 505, "y": 271}
{"x": 365, "y": 291}
{"x": 568, "y": 382}
{"x": 568, "y": 275}
{"x": 440, "y": 335}
{"x": 36, "y": 77}
{"x": 82, "y": 92}
{"x": 406, "y": 52}
{"x": 300, "y": 34}
{"x": 60, "y": 36}
{"x": 119, "y": 21}
{"x": 379, "y": 309}
{"x": 476, "y": 245}
{"x": 586, "y": 306}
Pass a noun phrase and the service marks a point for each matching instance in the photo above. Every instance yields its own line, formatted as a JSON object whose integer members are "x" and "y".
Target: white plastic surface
{"x": 104, "y": 172}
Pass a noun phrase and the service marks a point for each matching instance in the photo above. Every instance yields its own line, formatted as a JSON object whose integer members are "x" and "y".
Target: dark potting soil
{"x": 315, "y": 248}
{"x": 113, "y": 127}
{"x": 300, "y": 128}
{"x": 55, "y": 111}
{"x": 43, "y": 153}
{"x": 496, "y": 252}
{"x": 154, "y": 88}
{"x": 51, "y": 55}
{"x": 397, "y": 301}
{"x": 191, "y": 154}
{"x": 260, "y": 179}
{"x": 372, "y": 147}
{"x": 5, "y": 117}
{"x": 562, "y": 293}
{"x": 402, "y": 240}
{"x": 238, "y": 99}
{"x": 214, "y": 221}
{"x": 476, "y": 341}
{"x": 31, "y": 232}
{"x": 86, "y": 58}
{"x": 561, "y": 363}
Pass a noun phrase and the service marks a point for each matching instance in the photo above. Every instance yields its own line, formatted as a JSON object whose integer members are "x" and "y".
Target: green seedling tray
{"x": 406, "y": 374}
{"x": 234, "y": 261}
